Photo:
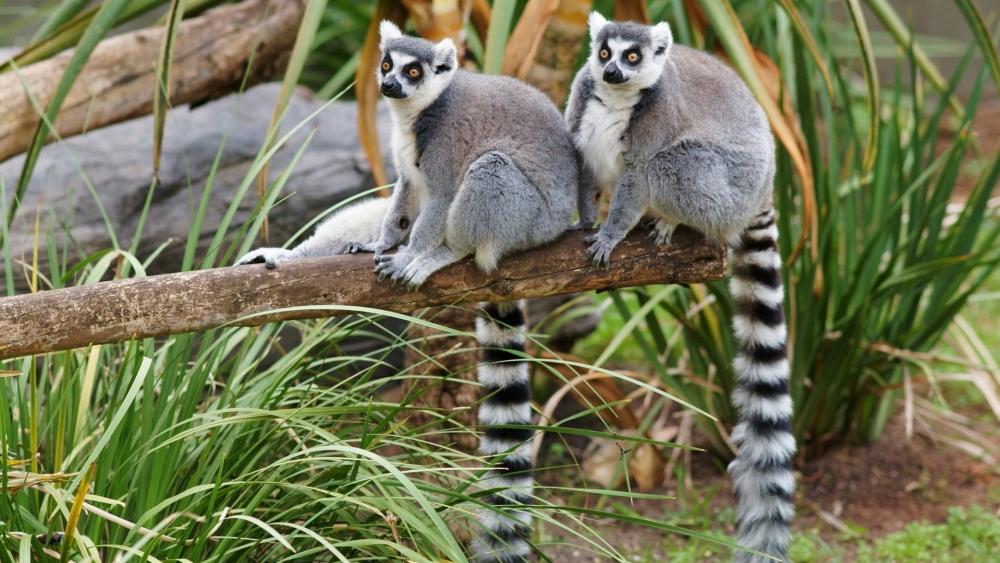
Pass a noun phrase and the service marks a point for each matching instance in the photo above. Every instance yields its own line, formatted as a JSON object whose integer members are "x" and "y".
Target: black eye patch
{"x": 386, "y": 64}
{"x": 632, "y": 56}
{"x": 605, "y": 52}
{"x": 413, "y": 71}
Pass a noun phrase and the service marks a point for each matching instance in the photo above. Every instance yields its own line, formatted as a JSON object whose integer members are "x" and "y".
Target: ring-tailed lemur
{"x": 674, "y": 134}
{"x": 486, "y": 167}
{"x": 358, "y": 222}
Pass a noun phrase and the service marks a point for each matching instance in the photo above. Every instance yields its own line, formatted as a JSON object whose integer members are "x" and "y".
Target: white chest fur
{"x": 602, "y": 127}
{"x": 404, "y": 151}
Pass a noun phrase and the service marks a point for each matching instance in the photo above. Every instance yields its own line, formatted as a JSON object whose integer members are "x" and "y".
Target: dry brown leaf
{"x": 646, "y": 465}
{"x": 437, "y": 19}
{"x": 480, "y": 17}
{"x": 594, "y": 389}
{"x": 631, "y": 10}
{"x": 524, "y": 40}
{"x": 17, "y": 480}
{"x": 366, "y": 89}
{"x": 602, "y": 463}
{"x": 699, "y": 23}
{"x": 553, "y": 65}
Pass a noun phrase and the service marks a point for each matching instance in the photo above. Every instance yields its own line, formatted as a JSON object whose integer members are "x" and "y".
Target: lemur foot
{"x": 600, "y": 249}
{"x": 392, "y": 267}
{"x": 416, "y": 272}
{"x": 269, "y": 257}
{"x": 358, "y": 248}
{"x": 662, "y": 232}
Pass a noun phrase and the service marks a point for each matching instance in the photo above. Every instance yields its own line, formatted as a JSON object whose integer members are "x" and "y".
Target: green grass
{"x": 968, "y": 534}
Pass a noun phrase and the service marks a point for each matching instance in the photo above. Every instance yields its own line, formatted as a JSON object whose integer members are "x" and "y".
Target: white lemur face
{"x": 413, "y": 71}
{"x": 626, "y": 55}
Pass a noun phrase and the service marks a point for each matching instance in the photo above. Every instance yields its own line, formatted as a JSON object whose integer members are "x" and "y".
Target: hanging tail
{"x": 762, "y": 471}
{"x": 504, "y": 376}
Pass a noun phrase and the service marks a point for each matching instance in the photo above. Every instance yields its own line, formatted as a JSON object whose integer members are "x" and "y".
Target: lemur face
{"x": 627, "y": 55}
{"x": 413, "y": 69}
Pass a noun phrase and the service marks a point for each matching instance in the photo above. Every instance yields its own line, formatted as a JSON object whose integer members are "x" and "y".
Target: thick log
{"x": 252, "y": 295}
{"x": 211, "y": 56}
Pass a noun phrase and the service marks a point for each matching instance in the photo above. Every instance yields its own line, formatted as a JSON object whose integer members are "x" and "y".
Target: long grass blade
{"x": 871, "y": 79}
{"x": 74, "y": 513}
{"x": 66, "y": 10}
{"x": 986, "y": 45}
{"x": 496, "y": 41}
{"x": 161, "y": 98}
{"x": 303, "y": 45}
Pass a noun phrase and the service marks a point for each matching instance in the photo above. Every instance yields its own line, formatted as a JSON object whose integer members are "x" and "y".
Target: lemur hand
{"x": 269, "y": 257}
{"x": 600, "y": 249}
{"x": 376, "y": 247}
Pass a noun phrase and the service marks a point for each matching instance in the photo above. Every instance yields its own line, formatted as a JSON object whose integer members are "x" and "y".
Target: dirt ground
{"x": 868, "y": 490}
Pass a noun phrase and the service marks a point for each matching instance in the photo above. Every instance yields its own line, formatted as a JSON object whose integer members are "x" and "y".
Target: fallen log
{"x": 212, "y": 53}
{"x": 252, "y": 295}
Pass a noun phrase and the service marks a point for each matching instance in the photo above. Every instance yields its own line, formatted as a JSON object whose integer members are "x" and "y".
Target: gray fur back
{"x": 481, "y": 113}
{"x": 698, "y": 97}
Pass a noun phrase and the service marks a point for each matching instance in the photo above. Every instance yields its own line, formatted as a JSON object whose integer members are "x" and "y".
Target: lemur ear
{"x": 387, "y": 31}
{"x": 596, "y": 22}
{"x": 445, "y": 56}
{"x": 663, "y": 39}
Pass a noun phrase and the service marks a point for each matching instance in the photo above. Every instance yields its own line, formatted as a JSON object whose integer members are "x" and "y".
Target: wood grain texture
{"x": 195, "y": 301}
{"x": 212, "y": 53}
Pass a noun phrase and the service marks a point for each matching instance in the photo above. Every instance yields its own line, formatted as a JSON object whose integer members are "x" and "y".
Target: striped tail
{"x": 762, "y": 471}
{"x": 504, "y": 376}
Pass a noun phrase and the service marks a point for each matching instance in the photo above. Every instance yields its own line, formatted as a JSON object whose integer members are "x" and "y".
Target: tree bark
{"x": 212, "y": 54}
{"x": 252, "y": 295}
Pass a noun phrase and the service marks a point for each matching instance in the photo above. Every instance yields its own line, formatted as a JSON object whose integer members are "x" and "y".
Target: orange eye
{"x": 386, "y": 66}
{"x": 414, "y": 72}
{"x": 633, "y": 57}
{"x": 604, "y": 53}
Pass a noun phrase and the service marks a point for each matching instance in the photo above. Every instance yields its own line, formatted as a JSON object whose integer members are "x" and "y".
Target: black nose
{"x": 391, "y": 88}
{"x": 613, "y": 74}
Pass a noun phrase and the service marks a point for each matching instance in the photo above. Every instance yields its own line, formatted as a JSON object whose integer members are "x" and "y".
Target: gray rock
{"x": 117, "y": 162}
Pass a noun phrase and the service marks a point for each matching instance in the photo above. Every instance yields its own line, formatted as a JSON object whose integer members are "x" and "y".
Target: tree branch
{"x": 212, "y": 53}
{"x": 251, "y": 295}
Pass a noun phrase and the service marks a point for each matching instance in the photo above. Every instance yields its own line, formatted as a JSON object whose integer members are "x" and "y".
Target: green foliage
{"x": 967, "y": 535}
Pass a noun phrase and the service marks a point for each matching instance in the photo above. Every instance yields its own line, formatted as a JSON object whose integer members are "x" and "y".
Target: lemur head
{"x": 625, "y": 55}
{"x": 414, "y": 71}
